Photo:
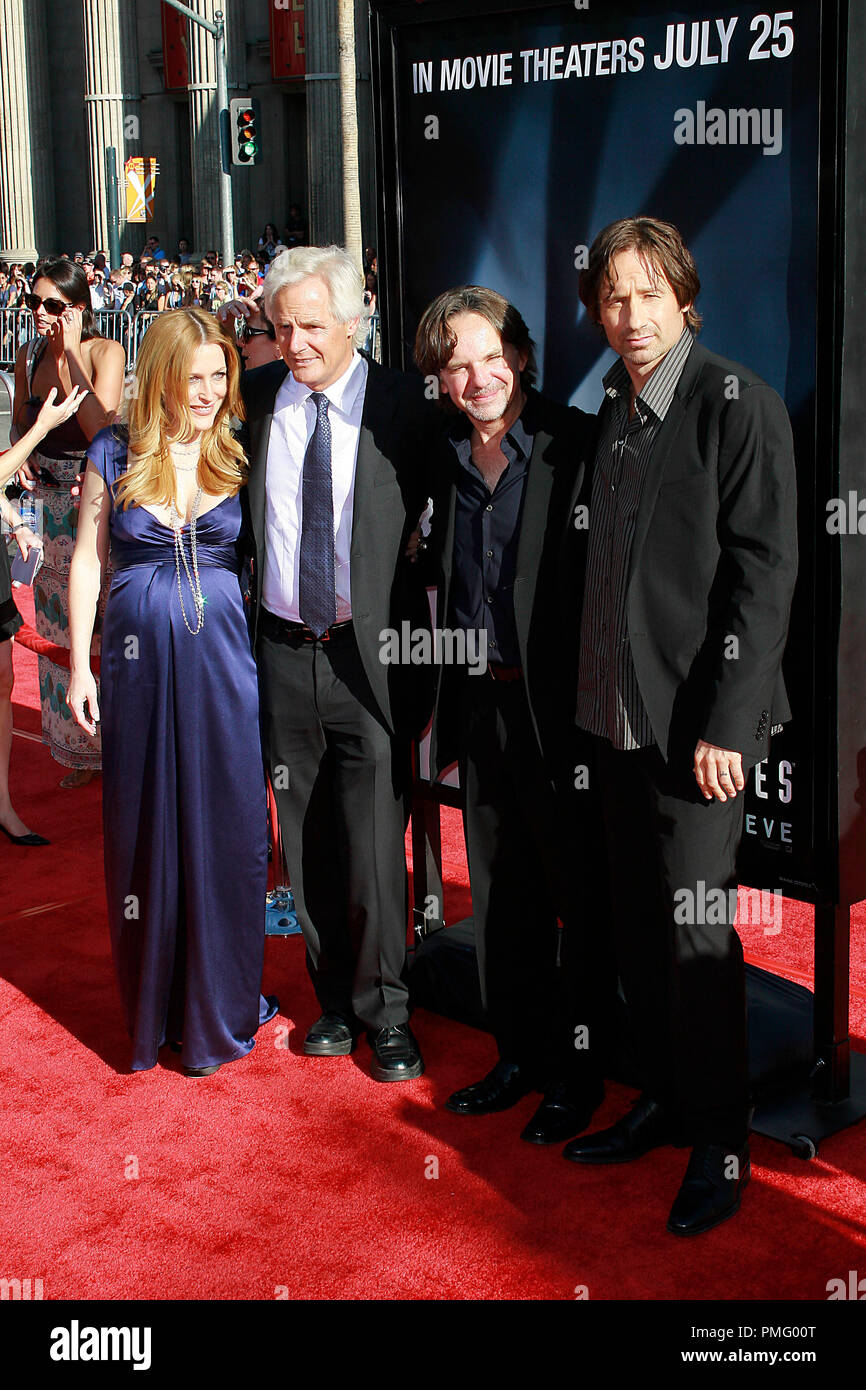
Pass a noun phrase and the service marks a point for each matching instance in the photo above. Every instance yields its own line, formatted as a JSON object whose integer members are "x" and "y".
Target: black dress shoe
{"x": 395, "y": 1054}
{"x": 501, "y": 1088}
{"x": 711, "y": 1189}
{"x": 30, "y": 840}
{"x": 645, "y": 1127}
{"x": 201, "y": 1071}
{"x": 565, "y": 1110}
{"x": 333, "y": 1035}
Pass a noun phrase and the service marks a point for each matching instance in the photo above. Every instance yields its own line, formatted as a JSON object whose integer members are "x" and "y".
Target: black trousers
{"x": 341, "y": 785}
{"x": 528, "y": 848}
{"x": 681, "y": 967}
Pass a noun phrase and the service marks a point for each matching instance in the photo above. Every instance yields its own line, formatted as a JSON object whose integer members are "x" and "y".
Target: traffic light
{"x": 245, "y": 127}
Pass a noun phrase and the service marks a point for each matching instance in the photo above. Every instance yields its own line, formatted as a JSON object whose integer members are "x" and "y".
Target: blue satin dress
{"x": 184, "y": 807}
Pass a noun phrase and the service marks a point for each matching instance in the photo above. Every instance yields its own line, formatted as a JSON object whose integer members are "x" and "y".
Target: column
{"x": 27, "y": 224}
{"x": 111, "y": 97}
{"x": 366, "y": 144}
{"x": 324, "y": 132}
{"x": 238, "y": 80}
{"x": 325, "y": 143}
{"x": 204, "y": 127}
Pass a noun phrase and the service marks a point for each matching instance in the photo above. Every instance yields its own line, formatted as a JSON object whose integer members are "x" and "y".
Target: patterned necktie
{"x": 317, "y": 598}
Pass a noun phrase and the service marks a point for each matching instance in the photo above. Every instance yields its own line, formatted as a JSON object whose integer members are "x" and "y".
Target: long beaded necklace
{"x": 180, "y": 559}
{"x": 194, "y": 453}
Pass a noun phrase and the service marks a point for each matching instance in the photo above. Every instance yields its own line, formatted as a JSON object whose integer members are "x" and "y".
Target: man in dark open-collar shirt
{"x": 486, "y": 530}
{"x": 509, "y": 467}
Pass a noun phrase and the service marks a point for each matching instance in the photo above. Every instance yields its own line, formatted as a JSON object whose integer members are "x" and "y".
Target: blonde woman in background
{"x": 176, "y": 296}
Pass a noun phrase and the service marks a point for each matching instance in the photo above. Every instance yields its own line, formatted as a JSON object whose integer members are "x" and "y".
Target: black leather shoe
{"x": 564, "y": 1111}
{"x": 332, "y": 1035}
{"x": 395, "y": 1054}
{"x": 501, "y": 1088}
{"x": 645, "y": 1127}
{"x": 711, "y": 1189}
{"x": 29, "y": 840}
{"x": 201, "y": 1071}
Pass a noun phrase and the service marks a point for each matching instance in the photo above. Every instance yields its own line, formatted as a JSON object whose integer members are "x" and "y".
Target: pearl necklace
{"x": 194, "y": 453}
{"x": 180, "y": 558}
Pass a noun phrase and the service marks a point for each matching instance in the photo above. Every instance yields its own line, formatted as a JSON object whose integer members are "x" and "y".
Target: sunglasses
{"x": 52, "y": 306}
{"x": 245, "y": 332}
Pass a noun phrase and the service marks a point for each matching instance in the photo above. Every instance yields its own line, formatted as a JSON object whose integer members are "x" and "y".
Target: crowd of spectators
{"x": 15, "y": 283}
{"x": 157, "y": 280}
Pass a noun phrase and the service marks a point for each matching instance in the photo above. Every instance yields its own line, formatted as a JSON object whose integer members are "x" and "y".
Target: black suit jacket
{"x": 391, "y": 490}
{"x": 714, "y": 558}
{"x": 551, "y": 553}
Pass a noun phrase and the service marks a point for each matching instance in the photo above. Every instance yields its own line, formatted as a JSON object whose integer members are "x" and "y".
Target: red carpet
{"x": 286, "y": 1173}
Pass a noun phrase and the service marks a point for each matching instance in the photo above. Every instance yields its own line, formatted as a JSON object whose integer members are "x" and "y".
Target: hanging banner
{"x": 141, "y": 171}
{"x": 511, "y": 135}
{"x": 175, "y": 50}
{"x": 288, "y": 51}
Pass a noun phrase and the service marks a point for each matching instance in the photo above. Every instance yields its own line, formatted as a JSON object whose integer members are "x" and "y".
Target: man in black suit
{"x": 505, "y": 480}
{"x": 690, "y": 572}
{"x": 336, "y": 487}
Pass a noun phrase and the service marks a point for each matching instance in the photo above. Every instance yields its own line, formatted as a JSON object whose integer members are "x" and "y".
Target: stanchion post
{"x": 831, "y": 1076}
{"x": 113, "y": 208}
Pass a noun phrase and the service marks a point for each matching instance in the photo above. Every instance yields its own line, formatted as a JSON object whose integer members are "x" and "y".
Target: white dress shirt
{"x": 294, "y": 420}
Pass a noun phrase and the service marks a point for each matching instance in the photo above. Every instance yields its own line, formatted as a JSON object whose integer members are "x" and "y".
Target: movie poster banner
{"x": 515, "y": 134}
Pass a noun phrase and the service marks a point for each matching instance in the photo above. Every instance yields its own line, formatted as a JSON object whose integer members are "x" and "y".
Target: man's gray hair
{"x": 332, "y": 264}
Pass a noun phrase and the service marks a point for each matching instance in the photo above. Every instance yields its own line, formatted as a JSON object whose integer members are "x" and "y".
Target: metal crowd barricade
{"x": 115, "y": 324}
{"x": 140, "y": 324}
{"x": 373, "y": 341}
{"x": 7, "y": 396}
{"x": 16, "y": 326}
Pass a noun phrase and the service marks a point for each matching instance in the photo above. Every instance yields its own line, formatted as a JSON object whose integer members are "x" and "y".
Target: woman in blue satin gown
{"x": 184, "y": 806}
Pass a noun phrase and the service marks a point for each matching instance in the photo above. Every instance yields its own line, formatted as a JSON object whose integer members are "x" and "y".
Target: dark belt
{"x": 504, "y": 673}
{"x": 282, "y": 628}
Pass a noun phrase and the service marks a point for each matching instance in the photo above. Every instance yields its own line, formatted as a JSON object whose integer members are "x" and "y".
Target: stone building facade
{"x": 80, "y": 76}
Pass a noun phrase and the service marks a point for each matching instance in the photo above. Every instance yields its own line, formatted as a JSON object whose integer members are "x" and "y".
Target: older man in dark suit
{"x": 337, "y": 484}
{"x": 690, "y": 572}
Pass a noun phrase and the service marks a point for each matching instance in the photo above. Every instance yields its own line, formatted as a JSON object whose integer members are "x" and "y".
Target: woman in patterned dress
{"x": 67, "y": 352}
{"x": 50, "y": 416}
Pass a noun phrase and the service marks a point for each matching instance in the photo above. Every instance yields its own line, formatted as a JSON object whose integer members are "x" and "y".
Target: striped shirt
{"x": 609, "y": 702}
